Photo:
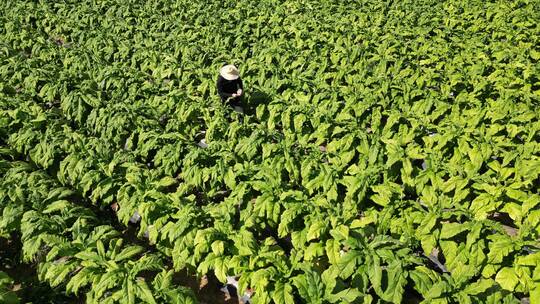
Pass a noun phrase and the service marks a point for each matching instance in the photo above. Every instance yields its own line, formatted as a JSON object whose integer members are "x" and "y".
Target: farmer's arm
{"x": 220, "y": 88}
{"x": 240, "y": 86}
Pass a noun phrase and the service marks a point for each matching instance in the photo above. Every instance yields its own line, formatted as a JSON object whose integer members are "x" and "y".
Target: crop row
{"x": 71, "y": 245}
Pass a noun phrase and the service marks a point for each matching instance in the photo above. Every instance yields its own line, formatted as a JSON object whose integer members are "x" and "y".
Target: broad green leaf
{"x": 479, "y": 287}
{"x": 507, "y": 278}
{"x": 283, "y": 293}
{"x": 449, "y": 230}
{"x": 128, "y": 253}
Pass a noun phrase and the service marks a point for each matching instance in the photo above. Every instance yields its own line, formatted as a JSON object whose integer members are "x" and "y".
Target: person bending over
{"x": 229, "y": 85}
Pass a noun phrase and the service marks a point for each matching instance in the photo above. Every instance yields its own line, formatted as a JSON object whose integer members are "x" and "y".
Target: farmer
{"x": 229, "y": 86}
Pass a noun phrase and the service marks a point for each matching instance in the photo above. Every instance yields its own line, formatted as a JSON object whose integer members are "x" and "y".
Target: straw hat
{"x": 229, "y": 72}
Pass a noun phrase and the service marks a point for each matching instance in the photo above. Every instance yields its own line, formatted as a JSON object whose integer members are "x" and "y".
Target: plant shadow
{"x": 254, "y": 99}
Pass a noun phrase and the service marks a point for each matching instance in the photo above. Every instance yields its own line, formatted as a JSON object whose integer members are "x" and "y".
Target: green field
{"x": 389, "y": 151}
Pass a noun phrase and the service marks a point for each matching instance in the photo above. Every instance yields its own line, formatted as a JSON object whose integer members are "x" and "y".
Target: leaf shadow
{"x": 255, "y": 98}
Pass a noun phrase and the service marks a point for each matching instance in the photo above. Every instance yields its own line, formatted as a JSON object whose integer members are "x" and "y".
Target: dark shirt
{"x": 227, "y": 87}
